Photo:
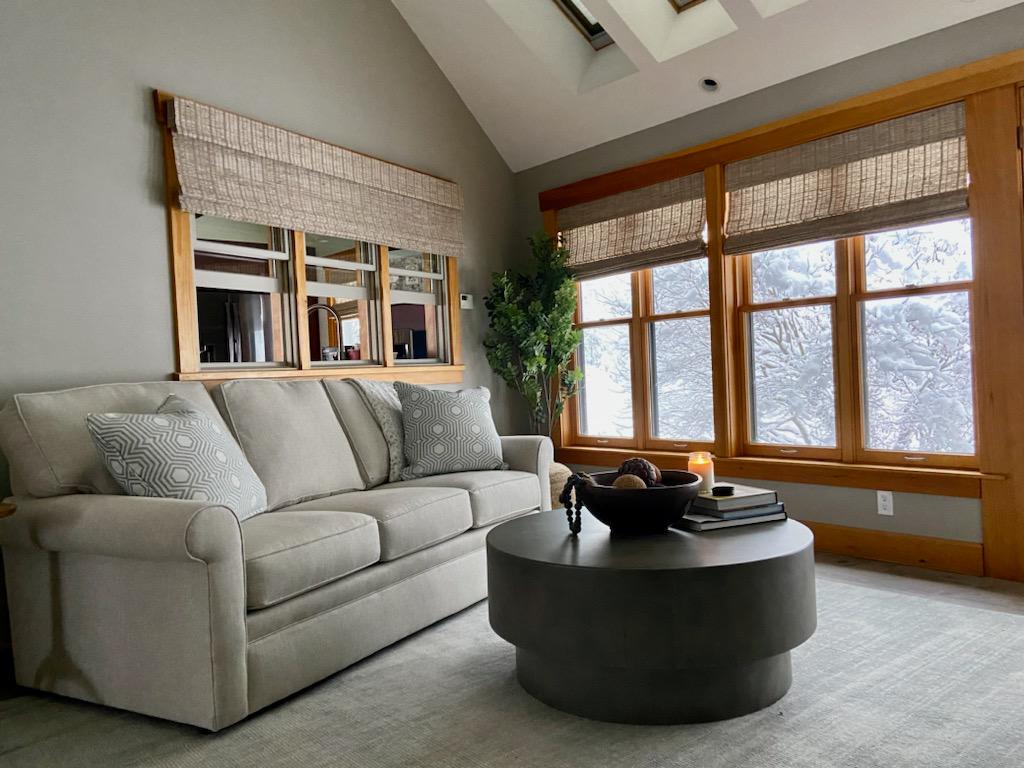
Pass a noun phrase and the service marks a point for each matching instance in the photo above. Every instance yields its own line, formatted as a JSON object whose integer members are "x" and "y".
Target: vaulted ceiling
{"x": 541, "y": 91}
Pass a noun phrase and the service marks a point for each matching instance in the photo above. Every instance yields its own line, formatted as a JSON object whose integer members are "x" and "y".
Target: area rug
{"x": 888, "y": 680}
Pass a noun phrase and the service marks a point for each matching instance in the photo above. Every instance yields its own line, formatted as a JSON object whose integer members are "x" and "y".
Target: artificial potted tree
{"x": 530, "y": 337}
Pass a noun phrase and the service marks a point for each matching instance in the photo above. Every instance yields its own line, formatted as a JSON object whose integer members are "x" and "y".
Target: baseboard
{"x": 903, "y": 548}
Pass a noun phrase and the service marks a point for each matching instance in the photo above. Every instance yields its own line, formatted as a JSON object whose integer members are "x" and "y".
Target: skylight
{"x": 682, "y": 5}
{"x": 585, "y": 22}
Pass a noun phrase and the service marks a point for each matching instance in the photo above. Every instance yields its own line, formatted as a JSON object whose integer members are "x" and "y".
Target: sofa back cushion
{"x": 46, "y": 441}
{"x": 364, "y": 433}
{"x": 291, "y": 436}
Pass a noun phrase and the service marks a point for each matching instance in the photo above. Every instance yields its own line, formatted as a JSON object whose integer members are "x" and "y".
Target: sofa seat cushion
{"x": 408, "y": 518}
{"x": 494, "y": 495}
{"x": 289, "y": 553}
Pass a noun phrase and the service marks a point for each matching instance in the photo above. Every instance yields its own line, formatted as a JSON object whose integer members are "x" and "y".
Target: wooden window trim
{"x": 186, "y": 315}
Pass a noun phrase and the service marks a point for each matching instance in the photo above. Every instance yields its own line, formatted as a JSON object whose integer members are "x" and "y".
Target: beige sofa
{"x": 174, "y": 609}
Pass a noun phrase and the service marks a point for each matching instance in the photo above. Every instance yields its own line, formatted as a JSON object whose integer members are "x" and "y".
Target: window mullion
{"x": 846, "y": 360}
{"x": 640, "y": 357}
{"x": 303, "y": 358}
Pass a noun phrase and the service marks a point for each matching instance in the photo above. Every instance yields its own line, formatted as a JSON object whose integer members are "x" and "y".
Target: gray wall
{"x": 985, "y": 36}
{"x": 85, "y": 293}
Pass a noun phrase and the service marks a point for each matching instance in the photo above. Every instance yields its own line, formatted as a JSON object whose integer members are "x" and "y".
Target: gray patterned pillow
{"x": 447, "y": 431}
{"x": 178, "y": 452}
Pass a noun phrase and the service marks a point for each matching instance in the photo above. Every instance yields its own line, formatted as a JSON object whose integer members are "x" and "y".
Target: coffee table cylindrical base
{"x": 654, "y": 696}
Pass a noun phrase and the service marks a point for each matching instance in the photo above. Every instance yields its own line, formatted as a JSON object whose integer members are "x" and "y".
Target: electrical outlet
{"x": 885, "y": 503}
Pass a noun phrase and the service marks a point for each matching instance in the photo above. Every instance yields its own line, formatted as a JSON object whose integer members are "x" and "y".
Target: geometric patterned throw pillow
{"x": 177, "y": 453}
{"x": 447, "y": 431}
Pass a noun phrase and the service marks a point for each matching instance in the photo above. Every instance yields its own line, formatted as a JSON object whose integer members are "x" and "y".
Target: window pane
{"x": 682, "y": 405}
{"x": 357, "y": 322}
{"x": 340, "y": 250}
{"x": 934, "y": 253}
{"x": 918, "y": 387}
{"x": 606, "y": 298}
{"x": 241, "y": 326}
{"x": 606, "y": 401}
{"x": 404, "y": 261}
{"x": 341, "y": 301}
{"x": 416, "y": 331}
{"x": 230, "y": 232}
{"x": 793, "y": 387}
{"x": 681, "y": 287}
{"x": 800, "y": 272}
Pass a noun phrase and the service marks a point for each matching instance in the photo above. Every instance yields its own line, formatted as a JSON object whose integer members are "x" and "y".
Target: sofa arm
{"x": 134, "y": 527}
{"x": 140, "y": 600}
{"x": 531, "y": 453}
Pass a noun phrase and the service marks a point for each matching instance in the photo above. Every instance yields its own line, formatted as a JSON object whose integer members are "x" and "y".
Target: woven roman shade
{"x": 640, "y": 228}
{"x": 239, "y": 168}
{"x": 895, "y": 173}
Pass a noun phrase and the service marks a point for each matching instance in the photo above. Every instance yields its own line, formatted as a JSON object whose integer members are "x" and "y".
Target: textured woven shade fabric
{"x": 639, "y": 228}
{"x": 243, "y": 169}
{"x": 908, "y": 170}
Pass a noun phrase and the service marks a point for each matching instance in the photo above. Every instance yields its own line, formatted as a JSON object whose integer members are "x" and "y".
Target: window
{"x": 646, "y": 359}
{"x": 605, "y": 403}
{"x": 417, "y": 305}
{"x": 679, "y": 339}
{"x": 341, "y": 297}
{"x": 915, "y": 334}
{"x": 242, "y": 291}
{"x": 855, "y": 350}
{"x": 585, "y": 22}
{"x": 905, "y": 348}
{"x": 788, "y": 325}
{"x": 248, "y": 308}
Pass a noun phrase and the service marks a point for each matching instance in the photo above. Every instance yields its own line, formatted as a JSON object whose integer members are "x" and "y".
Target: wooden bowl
{"x": 639, "y": 511}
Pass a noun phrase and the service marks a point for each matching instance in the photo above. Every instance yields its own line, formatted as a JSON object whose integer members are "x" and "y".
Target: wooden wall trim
{"x": 912, "y": 96}
{"x": 439, "y": 373}
{"x": 906, "y": 549}
{"x": 935, "y": 482}
{"x": 997, "y": 196}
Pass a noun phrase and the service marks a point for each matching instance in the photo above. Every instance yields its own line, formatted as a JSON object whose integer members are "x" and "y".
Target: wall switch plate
{"x": 885, "y": 503}
{"x": 466, "y": 300}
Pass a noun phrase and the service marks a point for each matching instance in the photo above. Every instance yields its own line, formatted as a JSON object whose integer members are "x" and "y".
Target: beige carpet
{"x": 889, "y": 680}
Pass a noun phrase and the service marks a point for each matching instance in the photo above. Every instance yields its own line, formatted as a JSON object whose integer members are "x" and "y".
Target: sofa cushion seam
{"x": 431, "y": 543}
{"x": 311, "y": 541}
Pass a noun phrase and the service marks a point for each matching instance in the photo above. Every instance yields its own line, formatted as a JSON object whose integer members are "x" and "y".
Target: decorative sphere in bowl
{"x": 635, "y": 511}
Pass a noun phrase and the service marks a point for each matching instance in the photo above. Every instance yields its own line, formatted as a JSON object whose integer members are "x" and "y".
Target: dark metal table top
{"x": 544, "y": 538}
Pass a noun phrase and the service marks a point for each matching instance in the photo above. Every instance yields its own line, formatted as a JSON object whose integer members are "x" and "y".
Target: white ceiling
{"x": 541, "y": 92}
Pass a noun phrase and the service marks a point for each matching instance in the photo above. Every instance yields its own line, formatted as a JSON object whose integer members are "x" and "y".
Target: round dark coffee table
{"x": 673, "y": 628}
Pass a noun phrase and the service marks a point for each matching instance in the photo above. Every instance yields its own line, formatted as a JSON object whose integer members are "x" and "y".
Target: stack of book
{"x": 746, "y": 506}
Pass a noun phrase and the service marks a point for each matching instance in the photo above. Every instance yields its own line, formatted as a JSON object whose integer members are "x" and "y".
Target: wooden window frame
{"x": 684, "y": 5}
{"x": 746, "y": 307}
{"x": 640, "y": 323}
{"x": 855, "y": 412}
{"x": 186, "y": 315}
{"x": 847, "y": 363}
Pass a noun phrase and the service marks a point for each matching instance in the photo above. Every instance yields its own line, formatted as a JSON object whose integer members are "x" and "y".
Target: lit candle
{"x": 700, "y": 463}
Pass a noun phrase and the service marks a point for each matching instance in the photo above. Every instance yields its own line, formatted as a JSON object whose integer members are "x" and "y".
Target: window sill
{"x": 935, "y": 481}
{"x": 435, "y": 373}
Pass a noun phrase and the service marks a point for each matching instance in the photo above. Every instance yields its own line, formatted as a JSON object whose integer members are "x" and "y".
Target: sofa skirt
{"x": 307, "y": 650}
